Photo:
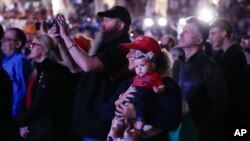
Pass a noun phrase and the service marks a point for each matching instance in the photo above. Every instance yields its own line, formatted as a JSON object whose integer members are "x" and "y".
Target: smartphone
{"x": 52, "y": 22}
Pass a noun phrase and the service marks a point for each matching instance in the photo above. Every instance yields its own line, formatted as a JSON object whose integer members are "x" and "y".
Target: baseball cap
{"x": 117, "y": 12}
{"x": 143, "y": 43}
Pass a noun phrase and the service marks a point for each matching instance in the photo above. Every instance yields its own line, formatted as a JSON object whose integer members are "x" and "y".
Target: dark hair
{"x": 126, "y": 28}
{"x": 223, "y": 24}
{"x": 172, "y": 39}
{"x": 20, "y": 35}
{"x": 138, "y": 30}
{"x": 1, "y": 32}
{"x": 203, "y": 27}
{"x": 164, "y": 63}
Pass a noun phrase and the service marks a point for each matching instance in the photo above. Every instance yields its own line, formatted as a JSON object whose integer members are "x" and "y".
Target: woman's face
{"x": 131, "y": 57}
{"x": 37, "y": 51}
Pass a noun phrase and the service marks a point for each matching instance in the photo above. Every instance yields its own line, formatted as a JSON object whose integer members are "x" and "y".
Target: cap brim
{"x": 127, "y": 46}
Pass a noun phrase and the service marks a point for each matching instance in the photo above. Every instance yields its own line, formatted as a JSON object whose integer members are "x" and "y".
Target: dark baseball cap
{"x": 117, "y": 12}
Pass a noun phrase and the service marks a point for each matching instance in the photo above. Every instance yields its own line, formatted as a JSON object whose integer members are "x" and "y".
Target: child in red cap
{"x": 147, "y": 83}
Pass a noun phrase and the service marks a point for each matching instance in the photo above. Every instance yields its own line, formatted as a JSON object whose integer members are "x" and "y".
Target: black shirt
{"x": 96, "y": 88}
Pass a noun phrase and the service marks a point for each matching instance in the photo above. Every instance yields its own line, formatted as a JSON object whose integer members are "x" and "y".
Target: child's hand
{"x": 156, "y": 89}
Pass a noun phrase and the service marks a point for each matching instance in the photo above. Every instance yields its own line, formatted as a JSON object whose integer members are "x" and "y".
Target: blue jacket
{"x": 18, "y": 68}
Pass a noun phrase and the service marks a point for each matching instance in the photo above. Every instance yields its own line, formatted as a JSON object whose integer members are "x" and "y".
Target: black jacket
{"x": 232, "y": 62}
{"x": 48, "y": 117}
{"x": 7, "y": 129}
{"x": 203, "y": 87}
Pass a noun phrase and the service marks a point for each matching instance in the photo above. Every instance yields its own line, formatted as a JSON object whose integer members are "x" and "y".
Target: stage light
{"x": 206, "y": 15}
{"x": 148, "y": 22}
{"x": 162, "y": 21}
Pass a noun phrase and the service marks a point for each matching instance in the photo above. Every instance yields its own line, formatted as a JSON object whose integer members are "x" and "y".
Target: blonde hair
{"x": 47, "y": 42}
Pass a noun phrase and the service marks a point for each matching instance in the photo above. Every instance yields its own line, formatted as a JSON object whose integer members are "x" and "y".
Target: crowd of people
{"x": 121, "y": 87}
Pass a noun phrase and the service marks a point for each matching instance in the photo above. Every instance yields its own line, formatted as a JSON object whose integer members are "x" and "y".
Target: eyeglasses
{"x": 8, "y": 39}
{"x": 214, "y": 32}
{"x": 33, "y": 45}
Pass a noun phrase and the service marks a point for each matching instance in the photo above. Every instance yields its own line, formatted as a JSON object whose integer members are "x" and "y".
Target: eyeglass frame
{"x": 31, "y": 46}
{"x": 4, "y": 39}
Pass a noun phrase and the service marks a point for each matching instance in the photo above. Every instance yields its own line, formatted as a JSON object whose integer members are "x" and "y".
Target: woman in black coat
{"x": 48, "y": 114}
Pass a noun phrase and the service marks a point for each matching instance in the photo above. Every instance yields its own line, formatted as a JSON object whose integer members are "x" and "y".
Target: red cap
{"x": 143, "y": 43}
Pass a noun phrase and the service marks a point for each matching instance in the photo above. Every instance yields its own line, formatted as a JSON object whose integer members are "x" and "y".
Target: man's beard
{"x": 103, "y": 37}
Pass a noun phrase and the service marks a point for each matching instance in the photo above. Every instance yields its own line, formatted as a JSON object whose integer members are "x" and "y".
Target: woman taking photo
{"x": 48, "y": 106}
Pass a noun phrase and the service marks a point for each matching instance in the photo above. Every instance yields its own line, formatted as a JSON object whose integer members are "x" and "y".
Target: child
{"x": 148, "y": 84}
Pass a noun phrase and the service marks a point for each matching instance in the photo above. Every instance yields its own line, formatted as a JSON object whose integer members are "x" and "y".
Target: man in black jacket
{"x": 232, "y": 62}
{"x": 201, "y": 82}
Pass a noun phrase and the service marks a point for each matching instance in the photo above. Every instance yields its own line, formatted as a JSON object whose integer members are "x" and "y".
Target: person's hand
{"x": 23, "y": 131}
{"x": 129, "y": 110}
{"x": 124, "y": 109}
{"x": 64, "y": 29}
{"x": 123, "y": 98}
{"x": 156, "y": 89}
{"x": 54, "y": 32}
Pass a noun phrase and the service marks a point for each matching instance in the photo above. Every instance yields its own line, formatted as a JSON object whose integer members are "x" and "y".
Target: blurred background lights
{"x": 206, "y": 14}
{"x": 216, "y": 2}
{"x": 182, "y": 21}
{"x": 148, "y": 22}
{"x": 88, "y": 19}
{"x": 162, "y": 21}
{"x": 1, "y": 18}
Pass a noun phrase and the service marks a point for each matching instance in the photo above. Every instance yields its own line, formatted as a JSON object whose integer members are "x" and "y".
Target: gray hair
{"x": 47, "y": 42}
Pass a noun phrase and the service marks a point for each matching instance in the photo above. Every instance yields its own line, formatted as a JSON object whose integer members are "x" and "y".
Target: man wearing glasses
{"x": 16, "y": 65}
{"x": 232, "y": 63}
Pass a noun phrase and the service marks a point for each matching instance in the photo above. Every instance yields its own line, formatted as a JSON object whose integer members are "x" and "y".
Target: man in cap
{"x": 102, "y": 70}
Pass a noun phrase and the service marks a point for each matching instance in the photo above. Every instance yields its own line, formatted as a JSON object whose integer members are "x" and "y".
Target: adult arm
{"x": 83, "y": 60}
{"x": 66, "y": 57}
{"x": 108, "y": 109}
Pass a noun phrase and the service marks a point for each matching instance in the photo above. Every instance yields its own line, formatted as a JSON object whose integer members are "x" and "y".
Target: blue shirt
{"x": 18, "y": 68}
